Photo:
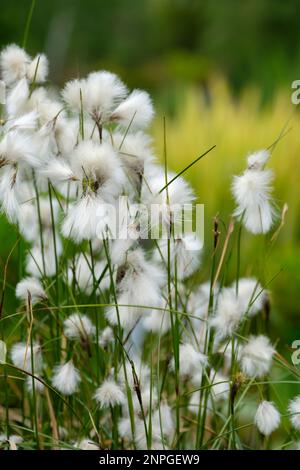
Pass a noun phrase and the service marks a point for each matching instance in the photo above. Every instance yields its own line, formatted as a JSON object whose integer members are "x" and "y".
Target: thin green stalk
{"x": 186, "y": 168}
{"x": 96, "y": 314}
{"x": 96, "y": 323}
{"x": 149, "y": 443}
{"x": 56, "y": 270}
{"x": 118, "y": 347}
{"x": 28, "y": 23}
{"x": 40, "y": 221}
{"x": 209, "y": 338}
{"x": 34, "y": 401}
{"x": 115, "y": 433}
{"x": 232, "y": 398}
{"x": 175, "y": 338}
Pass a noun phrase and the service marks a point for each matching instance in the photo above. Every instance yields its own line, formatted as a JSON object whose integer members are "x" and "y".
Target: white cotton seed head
{"x": 9, "y": 201}
{"x": 124, "y": 427}
{"x": 106, "y": 337}
{"x": 178, "y": 192}
{"x": 119, "y": 250}
{"x": 186, "y": 254}
{"x": 29, "y": 219}
{"x": 140, "y": 284}
{"x": 194, "y": 402}
{"x": 158, "y": 321}
{"x": 21, "y": 357}
{"x": 13, "y": 62}
{"x": 100, "y": 164}
{"x": 134, "y": 149}
{"x": 109, "y": 394}
{"x": 51, "y": 111}
{"x": 256, "y": 356}
{"x": 294, "y": 411}
{"x": 135, "y": 111}
{"x": 72, "y": 94}
{"x": 162, "y": 418}
{"x": 66, "y": 378}
{"x": 251, "y": 296}
{"x": 87, "y": 218}
{"x": 252, "y": 191}
{"x": 35, "y": 259}
{"x": 199, "y": 301}
{"x": 169, "y": 202}
{"x": 50, "y": 114}
{"x": 221, "y": 386}
{"x": 81, "y": 273}
{"x": 39, "y": 386}
{"x": 267, "y": 418}
{"x": 103, "y": 91}
{"x": 66, "y": 134}
{"x": 79, "y": 327}
{"x": 191, "y": 361}
{"x": 228, "y": 314}
{"x": 257, "y": 160}
{"x": 226, "y": 351}
{"x": 30, "y": 287}
{"x": 252, "y": 188}
{"x": 37, "y": 70}
{"x": 58, "y": 171}
{"x": 17, "y": 98}
{"x": 258, "y": 219}
{"x": 26, "y": 122}
{"x": 142, "y": 372}
{"x": 17, "y": 147}
{"x": 149, "y": 399}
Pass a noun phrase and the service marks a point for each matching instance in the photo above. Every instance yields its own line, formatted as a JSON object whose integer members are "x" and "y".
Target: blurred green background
{"x": 221, "y": 71}
{"x": 161, "y": 43}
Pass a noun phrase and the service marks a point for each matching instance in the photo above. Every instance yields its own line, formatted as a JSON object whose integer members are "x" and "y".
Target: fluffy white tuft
{"x": 21, "y": 357}
{"x": 86, "y": 218}
{"x": 66, "y": 378}
{"x": 252, "y": 193}
{"x": 78, "y": 326}
{"x": 106, "y": 337}
{"x": 136, "y": 111}
{"x": 109, "y": 394}
{"x": 37, "y": 70}
{"x": 294, "y": 410}
{"x": 30, "y": 287}
{"x": 102, "y": 92}
{"x": 186, "y": 252}
{"x": 257, "y": 160}
{"x": 58, "y": 170}
{"x": 228, "y": 314}
{"x": 267, "y": 418}
{"x": 256, "y": 356}
{"x": 38, "y": 386}
{"x": 72, "y": 94}
{"x": 140, "y": 284}
{"x": 251, "y": 296}
{"x": 13, "y": 62}
{"x": 191, "y": 361}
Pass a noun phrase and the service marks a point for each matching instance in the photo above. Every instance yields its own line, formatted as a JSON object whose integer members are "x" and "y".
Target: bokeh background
{"x": 220, "y": 71}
